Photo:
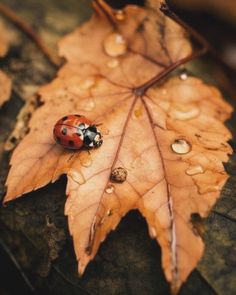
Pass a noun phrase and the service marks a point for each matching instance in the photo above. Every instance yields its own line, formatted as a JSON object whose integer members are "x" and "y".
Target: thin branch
{"x": 164, "y": 8}
{"x": 18, "y": 267}
{"x": 28, "y": 30}
{"x": 102, "y": 7}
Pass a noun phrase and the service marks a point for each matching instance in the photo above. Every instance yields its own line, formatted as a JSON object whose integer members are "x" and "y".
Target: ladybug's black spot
{"x": 64, "y": 131}
{"x": 71, "y": 143}
{"x": 64, "y": 118}
{"x": 58, "y": 139}
{"x": 78, "y": 116}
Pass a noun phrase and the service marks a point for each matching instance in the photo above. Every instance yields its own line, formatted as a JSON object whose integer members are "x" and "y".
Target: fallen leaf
{"x": 21, "y": 125}
{"x": 4, "y": 39}
{"x": 5, "y": 86}
{"x": 5, "y": 82}
{"x": 170, "y": 139}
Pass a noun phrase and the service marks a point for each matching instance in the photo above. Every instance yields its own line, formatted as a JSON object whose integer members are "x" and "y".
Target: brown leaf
{"x": 4, "y": 39}
{"x": 5, "y": 86}
{"x": 171, "y": 140}
{"x": 5, "y": 82}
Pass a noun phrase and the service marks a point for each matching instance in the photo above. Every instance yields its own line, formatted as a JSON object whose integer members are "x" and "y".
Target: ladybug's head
{"x": 97, "y": 142}
{"x": 92, "y": 137}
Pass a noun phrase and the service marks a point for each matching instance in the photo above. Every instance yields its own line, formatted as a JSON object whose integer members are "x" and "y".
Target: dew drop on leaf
{"x": 113, "y": 63}
{"x": 87, "y": 83}
{"x": 89, "y": 105}
{"x": 115, "y": 45}
{"x": 164, "y": 91}
{"x": 85, "y": 159}
{"x": 110, "y": 189}
{"x": 208, "y": 188}
{"x": 76, "y": 176}
{"x": 109, "y": 212}
{"x": 183, "y": 76}
{"x": 87, "y": 163}
{"x": 152, "y": 232}
{"x": 193, "y": 170}
{"x": 120, "y": 15}
{"x": 181, "y": 146}
{"x": 105, "y": 131}
{"x": 185, "y": 115}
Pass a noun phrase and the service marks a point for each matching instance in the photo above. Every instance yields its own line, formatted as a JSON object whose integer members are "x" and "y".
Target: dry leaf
{"x": 21, "y": 125}
{"x": 4, "y": 40}
{"x": 5, "y": 86}
{"x": 5, "y": 82}
{"x": 171, "y": 140}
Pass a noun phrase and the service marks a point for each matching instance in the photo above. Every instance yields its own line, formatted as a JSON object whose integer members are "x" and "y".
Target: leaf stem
{"x": 140, "y": 90}
{"x": 102, "y": 6}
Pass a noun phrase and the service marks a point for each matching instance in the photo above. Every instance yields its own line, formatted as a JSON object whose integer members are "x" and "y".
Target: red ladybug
{"x": 76, "y": 132}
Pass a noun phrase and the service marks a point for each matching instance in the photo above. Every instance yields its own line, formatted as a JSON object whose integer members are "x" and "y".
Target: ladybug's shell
{"x": 74, "y": 120}
{"x": 67, "y": 131}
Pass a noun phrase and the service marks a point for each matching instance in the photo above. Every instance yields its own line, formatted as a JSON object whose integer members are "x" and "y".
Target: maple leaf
{"x": 170, "y": 140}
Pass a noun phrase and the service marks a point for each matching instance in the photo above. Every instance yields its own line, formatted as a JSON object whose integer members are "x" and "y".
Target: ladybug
{"x": 76, "y": 132}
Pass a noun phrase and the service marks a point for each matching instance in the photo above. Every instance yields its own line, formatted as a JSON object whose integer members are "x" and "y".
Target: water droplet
{"x": 183, "y": 76}
{"x": 115, "y": 45}
{"x": 86, "y": 162}
{"x": 164, "y": 91}
{"x": 85, "y": 159}
{"x": 193, "y": 170}
{"x": 88, "y": 105}
{"x": 113, "y": 63}
{"x": 181, "y": 146}
{"x": 87, "y": 83}
{"x": 110, "y": 189}
{"x": 152, "y": 232}
{"x": 76, "y": 176}
{"x": 120, "y": 15}
{"x": 184, "y": 115}
{"x": 203, "y": 189}
{"x": 105, "y": 131}
{"x": 109, "y": 212}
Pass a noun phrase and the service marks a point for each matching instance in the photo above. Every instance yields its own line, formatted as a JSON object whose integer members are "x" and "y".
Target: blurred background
{"x": 214, "y": 19}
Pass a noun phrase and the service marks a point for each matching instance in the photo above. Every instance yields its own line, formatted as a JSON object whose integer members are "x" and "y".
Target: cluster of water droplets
{"x": 115, "y": 44}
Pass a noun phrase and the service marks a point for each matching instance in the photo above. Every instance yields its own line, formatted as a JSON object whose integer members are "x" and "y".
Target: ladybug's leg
{"x": 73, "y": 154}
{"x": 98, "y": 124}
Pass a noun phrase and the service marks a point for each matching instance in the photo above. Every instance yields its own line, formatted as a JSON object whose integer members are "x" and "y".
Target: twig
{"x": 28, "y": 30}
{"x": 14, "y": 261}
{"x": 199, "y": 38}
